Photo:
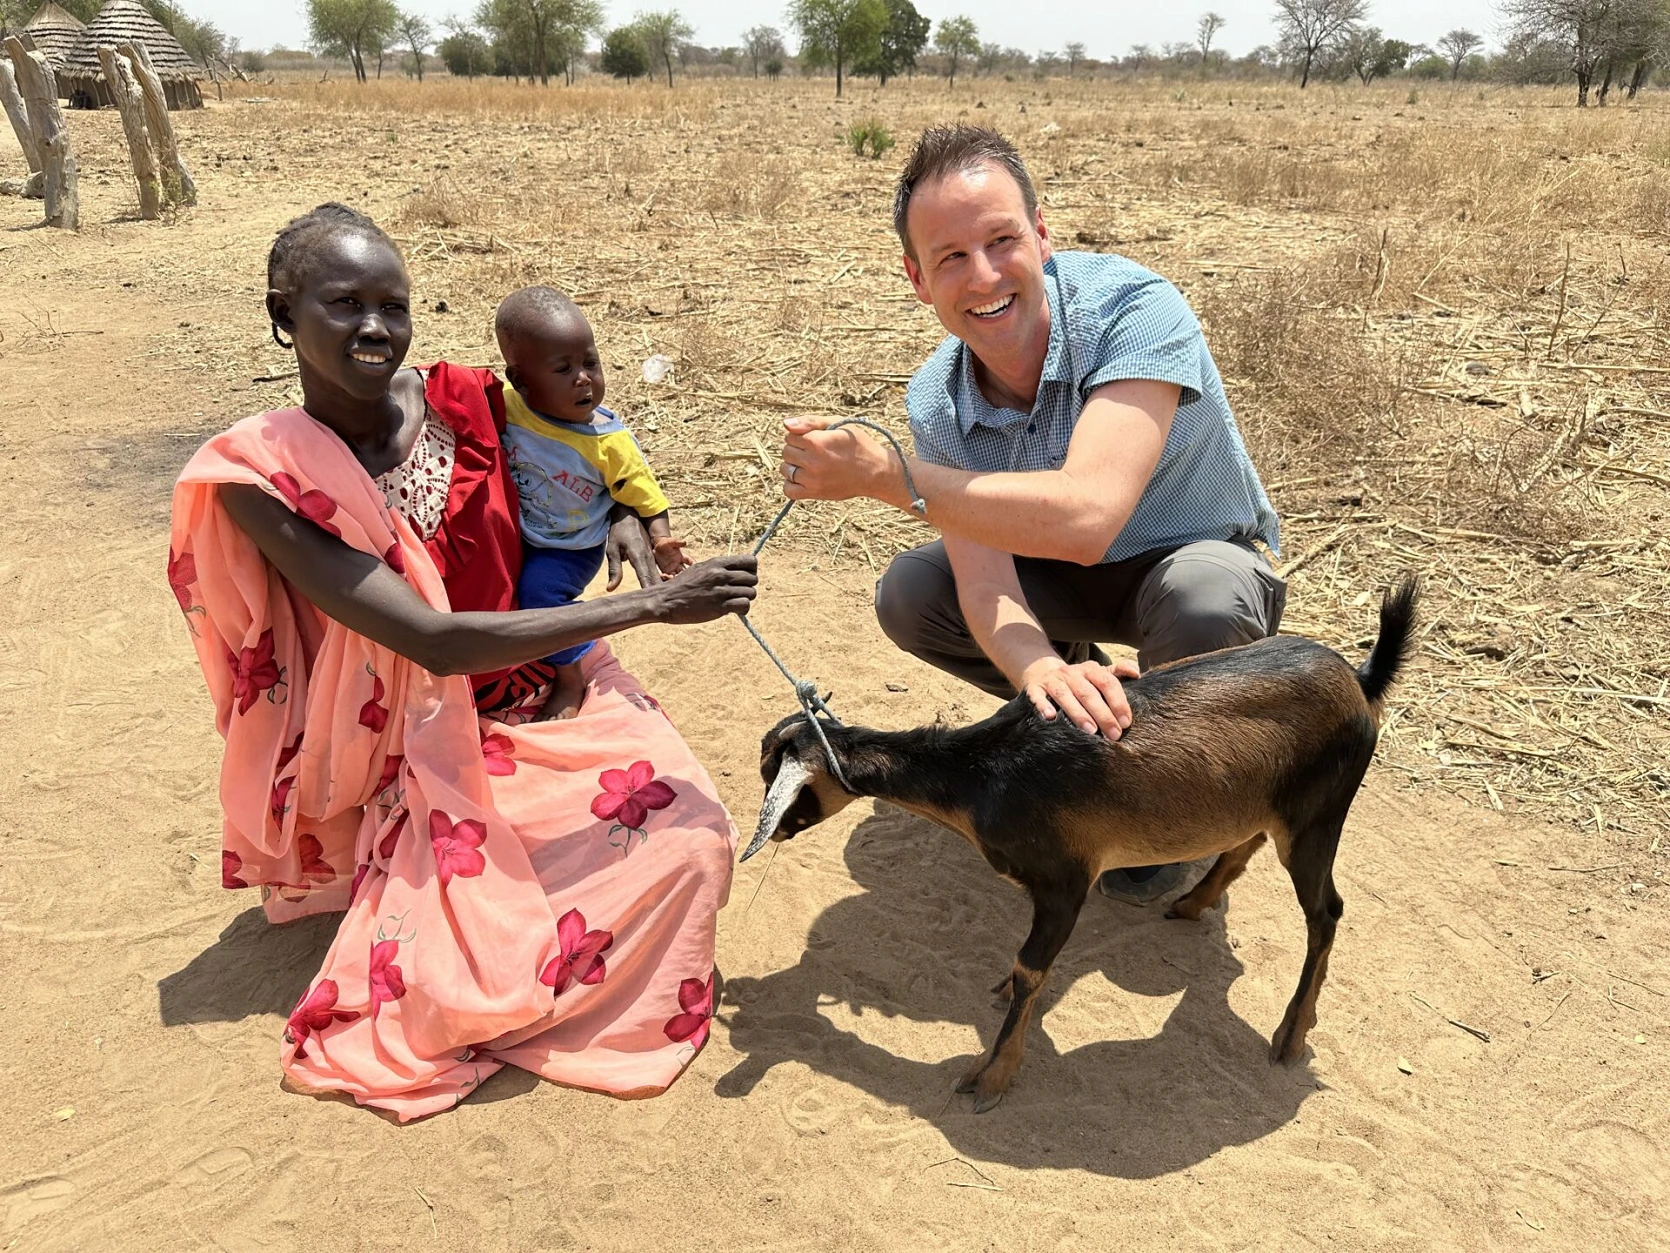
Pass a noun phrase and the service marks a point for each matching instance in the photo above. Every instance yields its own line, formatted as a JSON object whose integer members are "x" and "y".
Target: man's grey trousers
{"x": 1167, "y": 604}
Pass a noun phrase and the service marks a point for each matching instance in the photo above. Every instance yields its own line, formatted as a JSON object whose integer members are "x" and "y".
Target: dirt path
{"x": 143, "y": 1004}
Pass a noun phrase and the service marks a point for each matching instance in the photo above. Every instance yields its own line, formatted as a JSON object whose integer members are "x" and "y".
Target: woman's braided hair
{"x": 295, "y": 239}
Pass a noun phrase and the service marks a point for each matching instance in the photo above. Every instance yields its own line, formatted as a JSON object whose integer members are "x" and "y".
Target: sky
{"x": 1107, "y": 28}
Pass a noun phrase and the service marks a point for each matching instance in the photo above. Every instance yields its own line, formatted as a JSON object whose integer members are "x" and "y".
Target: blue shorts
{"x": 557, "y": 576}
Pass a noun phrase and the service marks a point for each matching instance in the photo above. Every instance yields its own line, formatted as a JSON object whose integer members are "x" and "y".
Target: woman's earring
{"x": 279, "y": 339}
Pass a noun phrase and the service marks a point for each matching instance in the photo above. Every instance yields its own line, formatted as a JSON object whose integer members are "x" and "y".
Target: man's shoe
{"x": 1140, "y": 885}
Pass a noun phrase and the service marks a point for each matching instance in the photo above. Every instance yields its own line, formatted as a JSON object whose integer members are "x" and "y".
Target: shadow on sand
{"x": 1133, "y": 1108}
{"x": 253, "y": 968}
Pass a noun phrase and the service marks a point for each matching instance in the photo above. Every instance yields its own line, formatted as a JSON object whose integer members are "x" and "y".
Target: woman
{"x": 536, "y": 893}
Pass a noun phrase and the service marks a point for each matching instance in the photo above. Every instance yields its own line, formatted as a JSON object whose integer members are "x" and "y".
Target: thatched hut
{"x": 81, "y": 81}
{"x": 55, "y": 31}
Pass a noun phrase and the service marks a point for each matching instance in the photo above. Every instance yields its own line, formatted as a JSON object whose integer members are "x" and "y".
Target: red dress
{"x": 478, "y": 547}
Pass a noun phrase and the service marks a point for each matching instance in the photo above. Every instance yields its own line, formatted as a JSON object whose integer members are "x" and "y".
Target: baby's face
{"x": 557, "y": 369}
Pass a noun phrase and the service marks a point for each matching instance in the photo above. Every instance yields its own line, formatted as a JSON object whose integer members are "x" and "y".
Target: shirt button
{"x": 1031, "y": 428}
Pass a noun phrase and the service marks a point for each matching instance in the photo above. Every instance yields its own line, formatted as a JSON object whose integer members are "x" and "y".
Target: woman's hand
{"x": 627, "y": 536}
{"x": 708, "y": 590}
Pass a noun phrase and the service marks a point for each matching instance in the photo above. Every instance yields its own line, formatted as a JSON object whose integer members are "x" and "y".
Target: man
{"x": 1075, "y": 450}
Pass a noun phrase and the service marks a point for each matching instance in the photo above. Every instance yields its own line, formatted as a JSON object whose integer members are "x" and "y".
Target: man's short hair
{"x": 529, "y": 310}
{"x": 944, "y": 150}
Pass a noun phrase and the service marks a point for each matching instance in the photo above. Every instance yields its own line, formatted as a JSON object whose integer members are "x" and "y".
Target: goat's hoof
{"x": 984, "y": 1103}
{"x": 1285, "y": 1049}
{"x": 971, "y": 1077}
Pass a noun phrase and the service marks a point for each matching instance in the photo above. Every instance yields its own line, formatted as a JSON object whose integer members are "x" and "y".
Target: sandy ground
{"x": 143, "y": 1004}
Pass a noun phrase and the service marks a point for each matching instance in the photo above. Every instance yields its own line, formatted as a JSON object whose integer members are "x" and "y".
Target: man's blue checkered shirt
{"x": 1110, "y": 319}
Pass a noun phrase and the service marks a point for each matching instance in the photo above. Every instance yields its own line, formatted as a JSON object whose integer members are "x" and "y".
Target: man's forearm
{"x": 1002, "y": 623}
{"x": 1042, "y": 513}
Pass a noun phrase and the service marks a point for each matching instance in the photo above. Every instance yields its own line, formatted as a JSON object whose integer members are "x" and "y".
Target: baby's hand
{"x": 670, "y": 557}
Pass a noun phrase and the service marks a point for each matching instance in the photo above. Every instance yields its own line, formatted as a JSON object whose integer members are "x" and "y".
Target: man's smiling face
{"x": 979, "y": 261}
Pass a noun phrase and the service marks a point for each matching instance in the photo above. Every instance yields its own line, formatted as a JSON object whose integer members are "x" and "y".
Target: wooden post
{"x": 130, "y": 103}
{"x": 18, "y": 112}
{"x": 176, "y": 179}
{"x": 39, "y": 86}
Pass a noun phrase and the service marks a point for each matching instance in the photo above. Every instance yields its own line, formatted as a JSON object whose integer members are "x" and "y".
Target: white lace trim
{"x": 417, "y": 489}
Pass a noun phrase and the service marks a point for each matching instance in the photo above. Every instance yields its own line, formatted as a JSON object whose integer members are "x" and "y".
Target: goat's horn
{"x": 791, "y": 777}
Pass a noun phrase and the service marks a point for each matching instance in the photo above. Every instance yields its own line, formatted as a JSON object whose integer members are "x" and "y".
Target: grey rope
{"x": 805, "y": 690}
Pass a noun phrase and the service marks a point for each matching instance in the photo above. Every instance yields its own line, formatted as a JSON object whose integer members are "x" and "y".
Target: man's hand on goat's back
{"x": 1087, "y": 693}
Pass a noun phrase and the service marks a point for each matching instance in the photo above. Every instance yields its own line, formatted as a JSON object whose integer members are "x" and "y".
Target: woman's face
{"x": 349, "y": 313}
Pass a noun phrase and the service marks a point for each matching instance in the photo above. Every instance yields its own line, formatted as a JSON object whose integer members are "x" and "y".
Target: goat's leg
{"x": 1209, "y": 891}
{"x": 1055, "y": 911}
{"x": 1311, "y": 865}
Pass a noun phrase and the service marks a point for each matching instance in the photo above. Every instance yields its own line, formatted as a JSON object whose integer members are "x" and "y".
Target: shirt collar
{"x": 973, "y": 409}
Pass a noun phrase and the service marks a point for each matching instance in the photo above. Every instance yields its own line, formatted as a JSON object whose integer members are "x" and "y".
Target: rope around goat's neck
{"x": 804, "y": 689}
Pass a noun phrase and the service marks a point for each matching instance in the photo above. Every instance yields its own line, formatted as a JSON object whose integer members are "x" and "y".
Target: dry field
{"x": 1443, "y": 320}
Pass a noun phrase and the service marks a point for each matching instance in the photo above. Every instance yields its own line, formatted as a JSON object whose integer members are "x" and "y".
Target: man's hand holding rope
{"x": 821, "y": 464}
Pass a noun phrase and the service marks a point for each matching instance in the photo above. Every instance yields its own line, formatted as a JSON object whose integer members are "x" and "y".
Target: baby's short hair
{"x": 528, "y": 310}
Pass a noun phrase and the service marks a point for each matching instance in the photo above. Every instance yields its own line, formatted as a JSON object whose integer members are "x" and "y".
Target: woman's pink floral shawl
{"x": 542, "y": 894}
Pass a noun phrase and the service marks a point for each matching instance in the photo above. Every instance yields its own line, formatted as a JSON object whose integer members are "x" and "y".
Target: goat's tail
{"x": 1391, "y": 650}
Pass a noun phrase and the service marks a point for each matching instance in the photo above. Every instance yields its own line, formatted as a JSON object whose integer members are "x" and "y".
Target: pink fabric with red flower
{"x": 493, "y": 914}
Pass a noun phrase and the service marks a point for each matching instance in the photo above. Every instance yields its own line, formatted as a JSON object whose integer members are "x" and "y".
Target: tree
{"x": 1370, "y": 55}
{"x": 1310, "y": 28}
{"x": 535, "y": 36}
{"x": 623, "y": 54}
{"x": 662, "y": 32}
{"x": 761, "y": 43}
{"x": 351, "y": 28}
{"x": 774, "y": 68}
{"x": 904, "y": 36}
{"x": 416, "y": 35}
{"x": 202, "y": 40}
{"x": 1455, "y": 46}
{"x": 1588, "y": 32}
{"x": 464, "y": 52}
{"x": 1208, "y": 26}
{"x": 1141, "y": 54}
{"x": 1073, "y": 54}
{"x": 957, "y": 39}
{"x": 838, "y": 32}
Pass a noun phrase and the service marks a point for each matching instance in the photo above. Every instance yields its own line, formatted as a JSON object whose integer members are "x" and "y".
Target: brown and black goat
{"x": 1266, "y": 741}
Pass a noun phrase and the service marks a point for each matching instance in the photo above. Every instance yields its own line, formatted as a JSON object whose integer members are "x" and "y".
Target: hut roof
{"x": 55, "y": 31}
{"x": 126, "y": 21}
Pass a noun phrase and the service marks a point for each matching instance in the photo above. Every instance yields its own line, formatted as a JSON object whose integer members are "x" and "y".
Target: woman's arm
{"x": 364, "y": 595}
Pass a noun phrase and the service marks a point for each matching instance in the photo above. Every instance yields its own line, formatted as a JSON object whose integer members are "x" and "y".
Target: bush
{"x": 254, "y": 62}
{"x": 869, "y": 139}
{"x": 465, "y": 54}
{"x": 624, "y": 54}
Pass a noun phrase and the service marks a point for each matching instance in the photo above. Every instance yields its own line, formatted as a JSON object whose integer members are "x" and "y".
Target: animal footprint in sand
{"x": 29, "y": 1199}
{"x": 211, "y": 1167}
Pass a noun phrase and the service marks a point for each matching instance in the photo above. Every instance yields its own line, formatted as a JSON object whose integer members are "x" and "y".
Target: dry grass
{"x": 1443, "y": 324}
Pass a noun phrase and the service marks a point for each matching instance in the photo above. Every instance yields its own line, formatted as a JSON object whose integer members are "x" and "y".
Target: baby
{"x": 571, "y": 459}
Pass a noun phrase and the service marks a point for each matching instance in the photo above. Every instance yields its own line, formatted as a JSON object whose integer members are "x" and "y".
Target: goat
{"x": 1269, "y": 740}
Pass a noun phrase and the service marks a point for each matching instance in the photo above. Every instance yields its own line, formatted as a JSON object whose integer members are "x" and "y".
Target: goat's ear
{"x": 774, "y": 745}
{"x": 791, "y": 779}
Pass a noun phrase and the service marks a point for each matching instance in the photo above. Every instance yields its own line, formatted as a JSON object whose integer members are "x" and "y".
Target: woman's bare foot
{"x": 568, "y": 692}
